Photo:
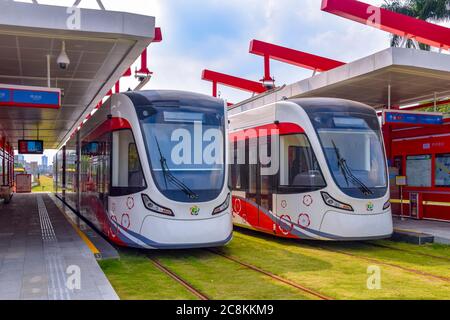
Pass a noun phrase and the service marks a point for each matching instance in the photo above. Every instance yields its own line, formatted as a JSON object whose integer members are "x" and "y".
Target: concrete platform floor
{"x": 439, "y": 229}
{"x": 43, "y": 258}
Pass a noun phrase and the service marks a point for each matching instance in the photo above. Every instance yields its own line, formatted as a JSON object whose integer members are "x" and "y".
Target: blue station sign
{"x": 413, "y": 118}
{"x": 5, "y": 95}
{"x": 30, "y": 97}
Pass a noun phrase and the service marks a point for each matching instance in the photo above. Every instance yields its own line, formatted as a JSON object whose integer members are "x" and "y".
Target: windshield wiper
{"x": 348, "y": 174}
{"x": 168, "y": 176}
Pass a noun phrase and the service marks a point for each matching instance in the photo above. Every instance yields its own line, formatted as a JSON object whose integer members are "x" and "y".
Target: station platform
{"x": 439, "y": 230}
{"x": 44, "y": 257}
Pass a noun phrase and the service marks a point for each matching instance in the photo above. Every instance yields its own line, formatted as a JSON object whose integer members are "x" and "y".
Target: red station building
{"x": 422, "y": 155}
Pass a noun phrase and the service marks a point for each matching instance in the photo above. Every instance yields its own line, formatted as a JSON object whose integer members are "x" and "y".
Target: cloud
{"x": 216, "y": 36}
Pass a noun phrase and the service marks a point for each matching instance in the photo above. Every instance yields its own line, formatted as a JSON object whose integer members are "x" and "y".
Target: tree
{"x": 429, "y": 10}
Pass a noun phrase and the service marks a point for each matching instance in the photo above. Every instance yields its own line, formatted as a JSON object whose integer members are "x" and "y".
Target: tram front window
{"x": 185, "y": 149}
{"x": 354, "y": 152}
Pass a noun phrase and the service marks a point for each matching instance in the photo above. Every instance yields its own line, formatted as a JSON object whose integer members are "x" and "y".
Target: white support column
{"x": 48, "y": 72}
{"x": 389, "y": 96}
{"x": 435, "y": 102}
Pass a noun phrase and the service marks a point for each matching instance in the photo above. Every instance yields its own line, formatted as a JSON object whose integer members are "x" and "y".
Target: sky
{"x": 215, "y": 34}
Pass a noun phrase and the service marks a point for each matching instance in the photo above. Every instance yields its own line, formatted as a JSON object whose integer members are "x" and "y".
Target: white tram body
{"x": 327, "y": 177}
{"x": 126, "y": 172}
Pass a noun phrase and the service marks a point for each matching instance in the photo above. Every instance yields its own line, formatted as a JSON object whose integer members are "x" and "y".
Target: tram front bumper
{"x": 345, "y": 226}
{"x": 174, "y": 234}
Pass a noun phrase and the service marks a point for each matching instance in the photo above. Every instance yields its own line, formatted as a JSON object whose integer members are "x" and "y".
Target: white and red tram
{"x": 312, "y": 168}
{"x": 140, "y": 170}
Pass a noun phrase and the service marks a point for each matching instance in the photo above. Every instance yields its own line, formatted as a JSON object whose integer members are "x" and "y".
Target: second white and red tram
{"x": 125, "y": 170}
{"x": 310, "y": 168}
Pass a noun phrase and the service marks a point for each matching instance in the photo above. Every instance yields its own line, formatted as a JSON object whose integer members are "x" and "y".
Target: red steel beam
{"x": 386, "y": 20}
{"x": 232, "y": 81}
{"x": 291, "y": 56}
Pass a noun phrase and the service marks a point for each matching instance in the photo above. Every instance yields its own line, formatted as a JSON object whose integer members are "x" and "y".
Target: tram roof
{"x": 413, "y": 75}
{"x": 101, "y": 49}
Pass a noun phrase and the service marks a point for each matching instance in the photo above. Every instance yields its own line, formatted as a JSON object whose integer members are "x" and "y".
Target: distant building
{"x": 34, "y": 167}
{"x": 44, "y": 162}
{"x": 19, "y": 158}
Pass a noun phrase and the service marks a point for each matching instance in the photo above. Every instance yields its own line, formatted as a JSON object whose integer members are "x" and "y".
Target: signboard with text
{"x": 31, "y": 97}
{"x": 31, "y": 147}
{"x": 412, "y": 118}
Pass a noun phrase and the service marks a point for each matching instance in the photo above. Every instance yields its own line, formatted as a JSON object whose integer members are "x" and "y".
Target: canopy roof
{"x": 101, "y": 49}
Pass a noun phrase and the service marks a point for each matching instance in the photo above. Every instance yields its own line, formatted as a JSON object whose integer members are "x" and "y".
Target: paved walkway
{"x": 440, "y": 230}
{"x": 42, "y": 257}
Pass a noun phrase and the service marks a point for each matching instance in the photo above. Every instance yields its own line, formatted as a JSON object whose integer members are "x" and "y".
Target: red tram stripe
{"x": 282, "y": 128}
{"x": 108, "y": 126}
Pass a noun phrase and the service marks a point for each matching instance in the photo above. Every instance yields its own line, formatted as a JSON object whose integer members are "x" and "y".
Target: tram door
{"x": 252, "y": 194}
{"x": 259, "y": 183}
{"x": 267, "y": 174}
{"x": 266, "y": 177}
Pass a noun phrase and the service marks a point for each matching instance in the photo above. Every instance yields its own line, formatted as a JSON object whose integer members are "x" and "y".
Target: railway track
{"x": 178, "y": 279}
{"x": 408, "y": 251}
{"x": 393, "y": 265}
{"x": 271, "y": 275}
{"x": 376, "y": 261}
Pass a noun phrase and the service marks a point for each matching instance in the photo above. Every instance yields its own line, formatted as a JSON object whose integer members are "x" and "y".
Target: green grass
{"x": 220, "y": 278}
{"x": 46, "y": 185}
{"x": 136, "y": 278}
{"x": 411, "y": 258}
{"x": 333, "y": 274}
{"x": 435, "y": 249}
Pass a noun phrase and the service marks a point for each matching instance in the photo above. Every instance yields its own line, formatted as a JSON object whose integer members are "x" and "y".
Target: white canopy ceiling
{"x": 101, "y": 49}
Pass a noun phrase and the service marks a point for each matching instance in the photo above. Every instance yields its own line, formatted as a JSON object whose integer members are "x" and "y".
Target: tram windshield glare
{"x": 185, "y": 149}
{"x": 354, "y": 152}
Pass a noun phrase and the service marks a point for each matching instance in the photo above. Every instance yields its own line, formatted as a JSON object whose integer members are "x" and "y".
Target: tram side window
{"x": 418, "y": 170}
{"x": 299, "y": 164}
{"x": 442, "y": 170}
{"x": 127, "y": 173}
{"x": 252, "y": 160}
{"x": 238, "y": 166}
{"x": 135, "y": 175}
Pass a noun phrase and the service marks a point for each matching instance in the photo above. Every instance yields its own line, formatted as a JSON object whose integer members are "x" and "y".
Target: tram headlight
{"x": 330, "y": 201}
{"x": 387, "y": 205}
{"x": 224, "y": 206}
{"x": 152, "y": 206}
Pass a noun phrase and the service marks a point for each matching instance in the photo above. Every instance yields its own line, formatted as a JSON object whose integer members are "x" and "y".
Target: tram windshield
{"x": 354, "y": 152}
{"x": 185, "y": 147}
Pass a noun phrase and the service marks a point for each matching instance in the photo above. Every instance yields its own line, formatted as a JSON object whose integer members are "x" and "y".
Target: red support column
{"x": 3, "y": 163}
{"x": 144, "y": 69}
{"x": 11, "y": 171}
{"x": 144, "y": 56}
{"x": 214, "y": 89}
{"x": 387, "y": 136}
{"x": 267, "y": 76}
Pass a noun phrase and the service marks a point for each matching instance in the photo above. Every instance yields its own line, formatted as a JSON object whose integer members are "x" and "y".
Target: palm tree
{"x": 430, "y": 10}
